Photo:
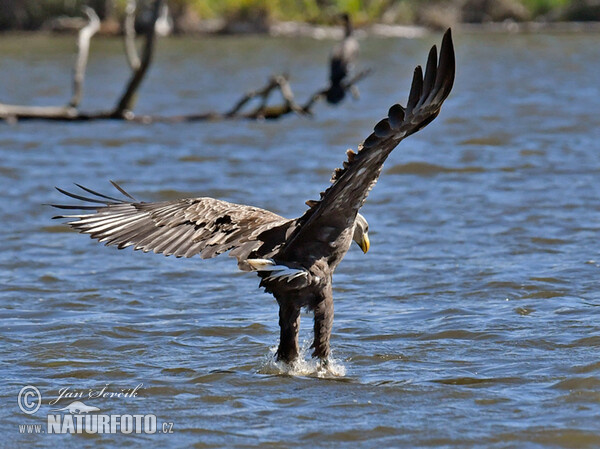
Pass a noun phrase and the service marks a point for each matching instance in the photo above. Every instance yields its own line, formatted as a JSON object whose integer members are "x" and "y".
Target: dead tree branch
{"x": 278, "y": 82}
{"x": 70, "y": 110}
{"x": 288, "y": 95}
{"x": 263, "y": 93}
{"x": 83, "y": 44}
{"x": 125, "y": 105}
{"x": 129, "y": 35}
{"x": 14, "y": 112}
{"x": 349, "y": 85}
{"x": 139, "y": 67}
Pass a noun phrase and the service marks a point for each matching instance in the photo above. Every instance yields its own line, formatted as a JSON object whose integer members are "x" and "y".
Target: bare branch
{"x": 356, "y": 78}
{"x": 129, "y": 36}
{"x": 317, "y": 96}
{"x": 8, "y": 111}
{"x": 288, "y": 95}
{"x": 349, "y": 85}
{"x": 125, "y": 105}
{"x": 83, "y": 44}
{"x": 123, "y": 110}
{"x": 266, "y": 94}
{"x": 263, "y": 93}
{"x": 279, "y": 82}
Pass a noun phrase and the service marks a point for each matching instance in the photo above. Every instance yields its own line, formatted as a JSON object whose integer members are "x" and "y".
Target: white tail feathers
{"x": 281, "y": 272}
{"x": 261, "y": 264}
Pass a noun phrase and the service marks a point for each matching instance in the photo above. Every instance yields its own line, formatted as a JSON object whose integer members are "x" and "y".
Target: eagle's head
{"x": 361, "y": 233}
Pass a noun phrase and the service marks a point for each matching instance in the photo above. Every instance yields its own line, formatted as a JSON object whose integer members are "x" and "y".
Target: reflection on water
{"x": 472, "y": 322}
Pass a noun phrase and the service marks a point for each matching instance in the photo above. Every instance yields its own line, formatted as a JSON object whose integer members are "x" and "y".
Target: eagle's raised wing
{"x": 182, "y": 228}
{"x": 339, "y": 204}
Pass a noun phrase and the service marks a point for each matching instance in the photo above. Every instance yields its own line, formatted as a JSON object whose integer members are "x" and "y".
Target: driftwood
{"x": 261, "y": 112}
{"x": 83, "y": 46}
{"x": 123, "y": 110}
{"x": 129, "y": 34}
{"x": 349, "y": 85}
{"x": 69, "y": 111}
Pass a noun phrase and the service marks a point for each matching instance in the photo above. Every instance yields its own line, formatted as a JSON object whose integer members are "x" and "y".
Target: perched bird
{"x": 341, "y": 62}
{"x": 295, "y": 258}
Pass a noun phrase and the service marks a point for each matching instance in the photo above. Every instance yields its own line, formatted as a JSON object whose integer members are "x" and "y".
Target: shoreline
{"x": 303, "y": 29}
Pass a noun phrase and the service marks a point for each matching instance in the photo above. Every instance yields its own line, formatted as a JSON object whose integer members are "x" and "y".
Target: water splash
{"x": 301, "y": 366}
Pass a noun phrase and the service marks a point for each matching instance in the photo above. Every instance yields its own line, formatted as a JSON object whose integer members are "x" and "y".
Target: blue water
{"x": 473, "y": 321}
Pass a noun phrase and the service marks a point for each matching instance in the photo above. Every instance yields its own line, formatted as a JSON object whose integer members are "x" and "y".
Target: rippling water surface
{"x": 474, "y": 320}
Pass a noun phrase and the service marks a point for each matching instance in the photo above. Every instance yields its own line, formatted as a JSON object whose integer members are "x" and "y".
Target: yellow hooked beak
{"x": 365, "y": 244}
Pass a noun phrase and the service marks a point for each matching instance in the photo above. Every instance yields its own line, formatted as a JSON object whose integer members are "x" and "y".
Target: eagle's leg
{"x": 323, "y": 310}
{"x": 289, "y": 322}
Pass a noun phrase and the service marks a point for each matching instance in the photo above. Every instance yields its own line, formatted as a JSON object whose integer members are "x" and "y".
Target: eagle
{"x": 294, "y": 258}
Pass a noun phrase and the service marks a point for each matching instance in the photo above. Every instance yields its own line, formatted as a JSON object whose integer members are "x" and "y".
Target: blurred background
{"x": 190, "y": 16}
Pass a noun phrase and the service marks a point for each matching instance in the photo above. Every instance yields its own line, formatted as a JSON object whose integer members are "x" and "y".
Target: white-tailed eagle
{"x": 295, "y": 258}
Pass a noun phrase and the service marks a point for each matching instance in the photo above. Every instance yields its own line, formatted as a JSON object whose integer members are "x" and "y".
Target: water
{"x": 472, "y": 322}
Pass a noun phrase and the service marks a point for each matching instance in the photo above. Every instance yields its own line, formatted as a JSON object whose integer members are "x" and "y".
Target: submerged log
{"x": 123, "y": 110}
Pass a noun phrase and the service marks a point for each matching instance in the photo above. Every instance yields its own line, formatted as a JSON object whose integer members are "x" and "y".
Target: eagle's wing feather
{"x": 182, "y": 228}
{"x": 339, "y": 204}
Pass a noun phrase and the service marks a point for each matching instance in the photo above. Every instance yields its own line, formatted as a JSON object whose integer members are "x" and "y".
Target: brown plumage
{"x": 295, "y": 258}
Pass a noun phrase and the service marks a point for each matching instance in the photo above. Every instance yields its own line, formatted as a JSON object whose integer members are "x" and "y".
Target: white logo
{"x": 77, "y": 421}
{"x": 76, "y": 408}
{"x": 78, "y": 417}
{"x": 26, "y": 403}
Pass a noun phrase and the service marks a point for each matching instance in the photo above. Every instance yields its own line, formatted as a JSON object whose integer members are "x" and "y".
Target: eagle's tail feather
{"x": 274, "y": 270}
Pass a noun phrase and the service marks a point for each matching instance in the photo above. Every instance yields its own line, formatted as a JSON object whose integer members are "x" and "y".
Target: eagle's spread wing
{"x": 339, "y": 204}
{"x": 182, "y": 228}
